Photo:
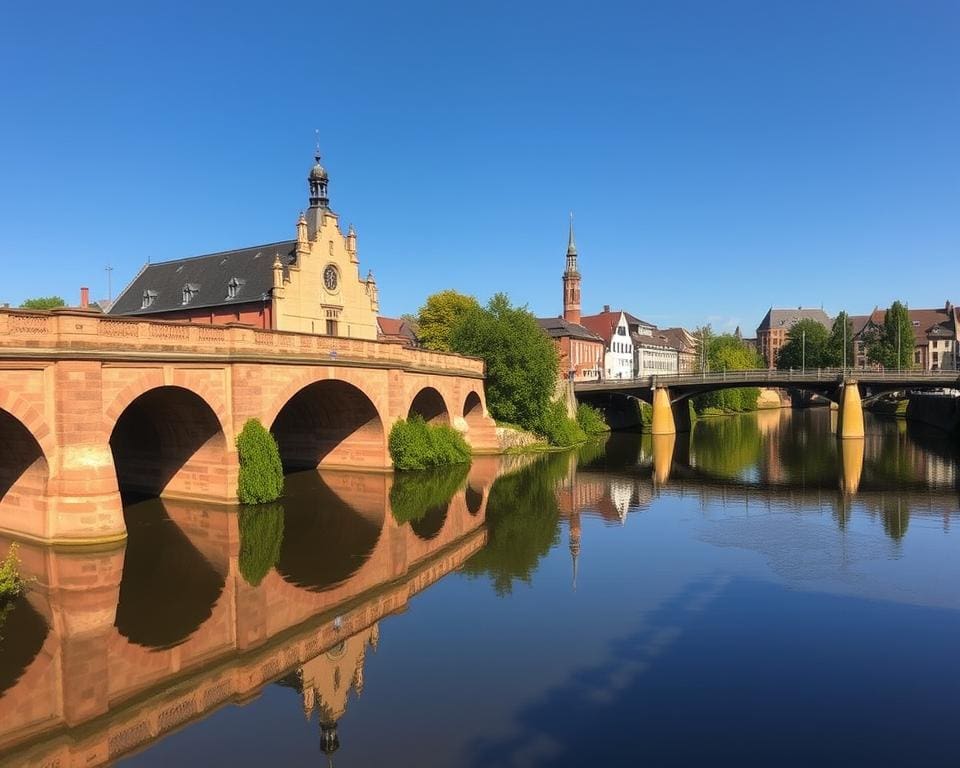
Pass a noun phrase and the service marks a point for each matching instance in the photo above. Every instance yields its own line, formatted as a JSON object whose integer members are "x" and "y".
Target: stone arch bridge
{"x": 845, "y": 387}
{"x": 94, "y": 408}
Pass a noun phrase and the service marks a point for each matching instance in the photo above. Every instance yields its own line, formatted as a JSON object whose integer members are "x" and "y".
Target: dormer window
{"x": 234, "y": 286}
{"x": 148, "y": 299}
{"x": 189, "y": 291}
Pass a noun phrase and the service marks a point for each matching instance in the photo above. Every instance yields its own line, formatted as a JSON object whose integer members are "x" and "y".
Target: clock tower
{"x": 571, "y": 282}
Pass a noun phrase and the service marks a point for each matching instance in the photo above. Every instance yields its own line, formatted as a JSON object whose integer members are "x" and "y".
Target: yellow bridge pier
{"x": 669, "y": 418}
{"x": 850, "y": 417}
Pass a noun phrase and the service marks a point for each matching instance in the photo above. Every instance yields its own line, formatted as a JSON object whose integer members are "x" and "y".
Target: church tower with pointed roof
{"x": 571, "y": 281}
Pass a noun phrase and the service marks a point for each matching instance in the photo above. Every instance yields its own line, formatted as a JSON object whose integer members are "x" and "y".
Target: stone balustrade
{"x": 79, "y": 331}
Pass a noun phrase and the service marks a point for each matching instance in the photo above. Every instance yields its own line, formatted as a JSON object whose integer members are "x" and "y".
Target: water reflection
{"x": 801, "y": 537}
{"x": 22, "y": 633}
{"x": 205, "y": 605}
{"x": 327, "y": 539}
{"x": 777, "y": 459}
{"x": 169, "y": 587}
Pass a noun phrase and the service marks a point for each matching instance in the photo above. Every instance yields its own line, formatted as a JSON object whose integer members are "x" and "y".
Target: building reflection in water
{"x": 111, "y": 650}
{"x": 778, "y": 459}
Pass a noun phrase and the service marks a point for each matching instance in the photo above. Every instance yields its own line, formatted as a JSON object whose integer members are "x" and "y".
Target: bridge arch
{"x": 24, "y": 475}
{"x": 473, "y": 410}
{"x": 330, "y": 422}
{"x": 429, "y": 404}
{"x": 168, "y": 440}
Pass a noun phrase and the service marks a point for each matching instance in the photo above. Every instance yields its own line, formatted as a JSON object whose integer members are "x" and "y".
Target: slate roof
{"x": 785, "y": 318}
{"x": 210, "y": 274}
{"x": 676, "y": 338}
{"x": 557, "y": 327}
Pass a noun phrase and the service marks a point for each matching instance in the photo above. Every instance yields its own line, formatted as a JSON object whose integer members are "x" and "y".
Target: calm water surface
{"x": 756, "y": 593}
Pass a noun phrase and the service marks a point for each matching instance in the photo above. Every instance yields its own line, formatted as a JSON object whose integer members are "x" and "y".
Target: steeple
{"x": 317, "y": 181}
{"x": 571, "y": 281}
{"x": 571, "y": 249}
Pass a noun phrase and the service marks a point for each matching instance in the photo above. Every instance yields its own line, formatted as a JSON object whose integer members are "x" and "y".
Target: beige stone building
{"x": 312, "y": 284}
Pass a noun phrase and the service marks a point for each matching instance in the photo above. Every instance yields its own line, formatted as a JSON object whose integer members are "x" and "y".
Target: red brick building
{"x": 580, "y": 350}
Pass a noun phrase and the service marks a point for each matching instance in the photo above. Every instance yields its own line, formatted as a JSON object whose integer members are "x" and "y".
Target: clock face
{"x": 330, "y": 278}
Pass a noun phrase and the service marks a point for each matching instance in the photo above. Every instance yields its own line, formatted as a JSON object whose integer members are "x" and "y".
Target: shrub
{"x": 11, "y": 583}
{"x": 261, "y": 472}
{"x": 414, "y": 444}
{"x": 261, "y": 534}
{"x": 591, "y": 420}
{"x": 559, "y": 429}
{"x": 413, "y": 494}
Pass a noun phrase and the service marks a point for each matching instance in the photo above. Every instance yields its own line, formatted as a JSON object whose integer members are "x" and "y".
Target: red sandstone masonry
{"x": 68, "y": 376}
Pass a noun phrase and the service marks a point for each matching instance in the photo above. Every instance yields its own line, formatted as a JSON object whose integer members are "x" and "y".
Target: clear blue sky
{"x": 720, "y": 156}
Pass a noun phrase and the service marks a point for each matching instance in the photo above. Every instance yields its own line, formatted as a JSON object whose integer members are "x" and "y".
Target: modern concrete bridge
{"x": 843, "y": 386}
{"x": 94, "y": 406}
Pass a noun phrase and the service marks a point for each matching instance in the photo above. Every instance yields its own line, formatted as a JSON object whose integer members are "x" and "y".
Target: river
{"x": 755, "y": 593}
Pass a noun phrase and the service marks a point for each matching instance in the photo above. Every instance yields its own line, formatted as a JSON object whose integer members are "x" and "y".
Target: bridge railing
{"x": 64, "y": 331}
{"x": 755, "y": 377}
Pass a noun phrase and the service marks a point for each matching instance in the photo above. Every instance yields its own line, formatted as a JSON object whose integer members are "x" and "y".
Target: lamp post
{"x": 843, "y": 363}
{"x": 803, "y": 354}
{"x": 899, "y": 327}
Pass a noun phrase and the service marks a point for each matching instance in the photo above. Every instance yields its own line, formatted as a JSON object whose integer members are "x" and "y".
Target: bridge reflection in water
{"x": 113, "y": 649}
{"x": 778, "y": 459}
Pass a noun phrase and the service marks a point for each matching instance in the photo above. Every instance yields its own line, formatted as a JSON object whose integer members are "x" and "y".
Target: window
{"x": 331, "y": 327}
{"x": 621, "y": 331}
{"x": 234, "y": 286}
{"x": 189, "y": 291}
{"x": 148, "y": 299}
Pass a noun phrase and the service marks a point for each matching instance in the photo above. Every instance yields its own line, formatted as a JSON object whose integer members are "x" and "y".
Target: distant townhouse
{"x": 652, "y": 353}
{"x": 398, "y": 330}
{"x": 772, "y": 331}
{"x": 681, "y": 340}
{"x": 581, "y": 351}
{"x": 935, "y": 336}
{"x": 614, "y": 329}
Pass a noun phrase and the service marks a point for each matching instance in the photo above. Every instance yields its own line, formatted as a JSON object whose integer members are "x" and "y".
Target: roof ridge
{"x": 126, "y": 288}
{"x": 219, "y": 253}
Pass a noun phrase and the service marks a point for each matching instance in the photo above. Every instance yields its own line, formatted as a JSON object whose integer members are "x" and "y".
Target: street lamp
{"x": 899, "y": 328}
{"x": 803, "y": 357}
{"x": 843, "y": 363}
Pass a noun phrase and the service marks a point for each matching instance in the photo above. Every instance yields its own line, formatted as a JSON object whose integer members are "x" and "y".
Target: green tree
{"x": 11, "y": 584}
{"x": 809, "y": 334}
{"x": 44, "y": 302}
{"x": 892, "y": 344}
{"x": 726, "y": 352}
{"x": 522, "y": 523}
{"x": 438, "y": 317}
{"x": 261, "y": 534}
{"x": 702, "y": 337}
{"x": 521, "y": 361}
{"x": 261, "y": 472}
{"x": 841, "y": 337}
{"x": 415, "y": 444}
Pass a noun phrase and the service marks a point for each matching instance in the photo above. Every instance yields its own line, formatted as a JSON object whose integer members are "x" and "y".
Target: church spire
{"x": 571, "y": 281}
{"x": 571, "y": 249}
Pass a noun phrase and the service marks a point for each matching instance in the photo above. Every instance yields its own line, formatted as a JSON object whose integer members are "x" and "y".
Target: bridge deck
{"x": 821, "y": 377}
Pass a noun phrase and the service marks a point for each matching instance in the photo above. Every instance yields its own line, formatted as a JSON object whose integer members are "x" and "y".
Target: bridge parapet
{"x": 83, "y": 333}
{"x": 776, "y": 378}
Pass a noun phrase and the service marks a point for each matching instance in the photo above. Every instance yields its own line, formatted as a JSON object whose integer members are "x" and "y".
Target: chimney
{"x": 606, "y": 307}
{"x": 84, "y": 298}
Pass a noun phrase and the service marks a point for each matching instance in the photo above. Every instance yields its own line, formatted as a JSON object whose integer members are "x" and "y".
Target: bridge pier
{"x": 669, "y": 418}
{"x": 850, "y": 416}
